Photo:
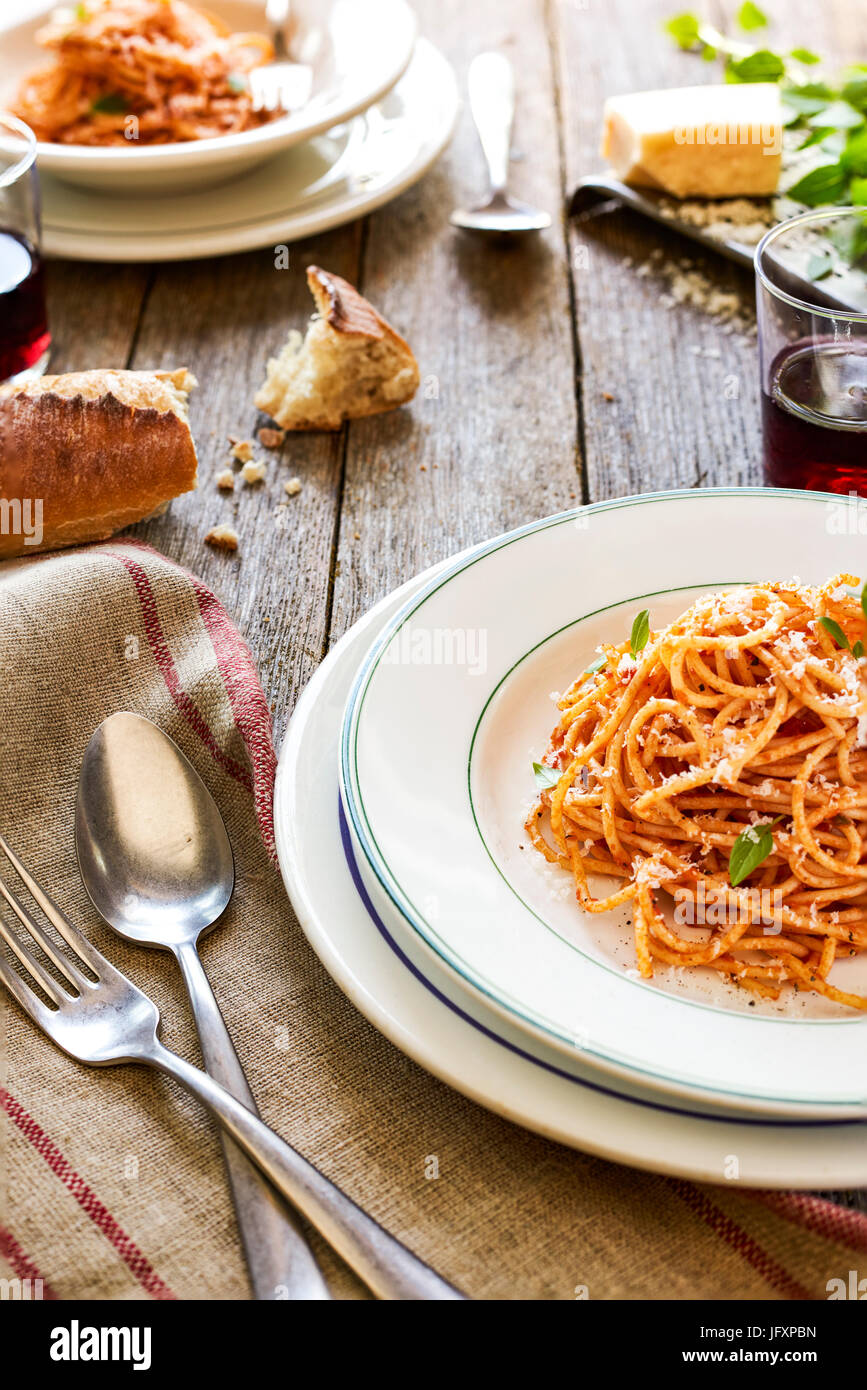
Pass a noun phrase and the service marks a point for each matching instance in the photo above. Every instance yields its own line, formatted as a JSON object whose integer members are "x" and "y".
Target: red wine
{"x": 24, "y": 335}
{"x": 815, "y": 418}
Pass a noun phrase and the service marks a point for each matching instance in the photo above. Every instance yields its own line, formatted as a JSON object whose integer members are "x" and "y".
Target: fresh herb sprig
{"x": 832, "y": 113}
{"x": 640, "y": 633}
{"x": 751, "y": 849}
{"x": 546, "y": 777}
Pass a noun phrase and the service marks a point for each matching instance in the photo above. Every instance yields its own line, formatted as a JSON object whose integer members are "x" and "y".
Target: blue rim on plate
{"x": 407, "y": 910}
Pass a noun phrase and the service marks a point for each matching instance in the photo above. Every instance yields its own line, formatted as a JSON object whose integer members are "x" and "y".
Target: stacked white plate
{"x": 416, "y": 885}
{"x": 381, "y": 108}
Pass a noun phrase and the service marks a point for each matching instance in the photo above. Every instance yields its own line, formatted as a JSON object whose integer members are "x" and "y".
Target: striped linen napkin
{"x": 111, "y": 1182}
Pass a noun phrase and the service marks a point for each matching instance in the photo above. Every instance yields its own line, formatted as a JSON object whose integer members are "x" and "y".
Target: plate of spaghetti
{"x": 156, "y": 94}
{"x": 611, "y": 771}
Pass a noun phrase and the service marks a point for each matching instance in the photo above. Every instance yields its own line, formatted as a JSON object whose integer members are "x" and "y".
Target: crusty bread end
{"x": 350, "y": 364}
{"x": 96, "y": 450}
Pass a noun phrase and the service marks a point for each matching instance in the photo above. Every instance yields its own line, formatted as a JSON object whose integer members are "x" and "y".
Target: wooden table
{"x": 551, "y": 372}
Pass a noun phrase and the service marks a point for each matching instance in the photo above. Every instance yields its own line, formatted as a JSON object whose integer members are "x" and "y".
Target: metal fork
{"x": 109, "y": 1020}
{"x": 281, "y": 85}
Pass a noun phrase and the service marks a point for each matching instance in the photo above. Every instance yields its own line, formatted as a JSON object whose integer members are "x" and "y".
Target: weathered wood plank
{"x": 490, "y": 440}
{"x": 222, "y": 319}
{"x": 680, "y": 416}
{"x": 93, "y": 313}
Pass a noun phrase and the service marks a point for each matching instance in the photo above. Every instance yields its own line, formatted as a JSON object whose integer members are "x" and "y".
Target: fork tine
{"x": 73, "y": 938}
{"x": 20, "y": 990}
{"x": 42, "y": 940}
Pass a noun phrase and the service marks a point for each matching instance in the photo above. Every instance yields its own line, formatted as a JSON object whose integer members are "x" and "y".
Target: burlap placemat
{"x": 111, "y": 1182}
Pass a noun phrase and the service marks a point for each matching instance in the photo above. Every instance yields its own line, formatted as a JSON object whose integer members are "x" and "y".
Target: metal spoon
{"x": 156, "y": 860}
{"x": 492, "y": 102}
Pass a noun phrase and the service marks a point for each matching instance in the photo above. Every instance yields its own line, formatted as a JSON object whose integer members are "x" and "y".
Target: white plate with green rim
{"x": 441, "y": 728}
{"x": 353, "y": 51}
{"x": 350, "y": 171}
{"x": 456, "y": 1037}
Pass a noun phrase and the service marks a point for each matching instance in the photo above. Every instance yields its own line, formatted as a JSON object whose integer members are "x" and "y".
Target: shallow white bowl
{"x": 358, "y": 50}
{"x": 436, "y": 778}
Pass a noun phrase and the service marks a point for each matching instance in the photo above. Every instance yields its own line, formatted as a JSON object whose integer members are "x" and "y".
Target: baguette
{"x": 86, "y": 454}
{"x": 351, "y": 363}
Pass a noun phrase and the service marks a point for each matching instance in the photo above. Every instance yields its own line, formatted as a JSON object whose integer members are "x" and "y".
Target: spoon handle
{"x": 280, "y": 1262}
{"x": 386, "y": 1266}
{"x": 492, "y": 101}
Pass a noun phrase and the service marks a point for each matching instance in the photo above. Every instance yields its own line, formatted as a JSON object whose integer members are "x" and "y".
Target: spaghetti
{"x": 724, "y": 764}
{"x": 141, "y": 71}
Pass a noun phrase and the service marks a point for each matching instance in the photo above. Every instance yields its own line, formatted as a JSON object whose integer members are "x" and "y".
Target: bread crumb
{"x": 254, "y": 471}
{"x": 270, "y": 438}
{"x": 222, "y": 538}
{"x": 293, "y": 487}
{"x": 242, "y": 449}
{"x": 607, "y": 396}
{"x": 226, "y": 480}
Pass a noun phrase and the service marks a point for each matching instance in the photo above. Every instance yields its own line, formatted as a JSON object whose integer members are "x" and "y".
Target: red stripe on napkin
{"x": 740, "y": 1241}
{"x": 136, "y": 1262}
{"x": 240, "y": 679}
{"x": 22, "y": 1265}
{"x": 816, "y": 1214}
{"x": 168, "y": 670}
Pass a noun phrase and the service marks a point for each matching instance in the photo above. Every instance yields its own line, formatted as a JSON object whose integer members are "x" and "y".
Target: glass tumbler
{"x": 811, "y": 285}
{"x": 24, "y": 336}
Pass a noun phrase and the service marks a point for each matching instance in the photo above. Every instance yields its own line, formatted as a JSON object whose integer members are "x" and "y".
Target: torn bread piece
{"x": 93, "y": 452}
{"x": 351, "y": 363}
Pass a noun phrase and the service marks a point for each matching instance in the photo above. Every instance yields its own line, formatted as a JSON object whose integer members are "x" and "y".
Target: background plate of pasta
{"x": 156, "y": 94}
{"x": 610, "y": 772}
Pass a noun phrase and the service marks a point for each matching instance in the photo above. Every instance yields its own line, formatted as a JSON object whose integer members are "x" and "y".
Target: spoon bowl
{"x": 501, "y": 215}
{"x": 151, "y": 843}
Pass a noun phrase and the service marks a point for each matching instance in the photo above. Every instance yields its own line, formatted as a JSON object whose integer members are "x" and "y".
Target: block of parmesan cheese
{"x": 717, "y": 141}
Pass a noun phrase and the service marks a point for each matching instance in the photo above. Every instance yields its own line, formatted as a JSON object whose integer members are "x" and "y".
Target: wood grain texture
{"x": 93, "y": 313}
{"x": 680, "y": 417}
{"x": 490, "y": 440}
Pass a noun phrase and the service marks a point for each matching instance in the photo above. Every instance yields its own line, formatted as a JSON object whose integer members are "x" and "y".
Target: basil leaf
{"x": 761, "y": 66}
{"x": 596, "y": 666}
{"x": 838, "y": 114}
{"x": 823, "y": 185}
{"x": 836, "y": 632}
{"x": 751, "y": 849}
{"x": 112, "y": 104}
{"x": 640, "y": 632}
{"x": 546, "y": 777}
{"x": 804, "y": 55}
{"x": 817, "y": 136}
{"x": 683, "y": 28}
{"x": 858, "y": 650}
{"x": 858, "y": 192}
{"x": 749, "y": 16}
{"x": 864, "y": 600}
{"x": 855, "y": 92}
{"x": 819, "y": 265}
{"x": 854, "y": 156}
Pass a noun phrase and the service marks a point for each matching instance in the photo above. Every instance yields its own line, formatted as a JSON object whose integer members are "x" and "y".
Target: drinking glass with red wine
{"x": 24, "y": 336}
{"x": 812, "y": 307}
